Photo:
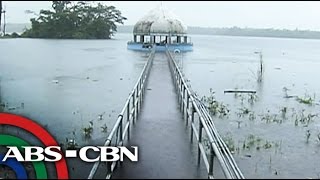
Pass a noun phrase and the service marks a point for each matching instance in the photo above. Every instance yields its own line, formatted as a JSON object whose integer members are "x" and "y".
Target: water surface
{"x": 64, "y": 84}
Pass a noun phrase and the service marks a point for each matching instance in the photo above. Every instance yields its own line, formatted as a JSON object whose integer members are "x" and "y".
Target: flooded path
{"x": 160, "y": 133}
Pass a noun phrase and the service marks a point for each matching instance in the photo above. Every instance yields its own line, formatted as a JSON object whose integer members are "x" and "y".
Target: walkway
{"x": 160, "y": 133}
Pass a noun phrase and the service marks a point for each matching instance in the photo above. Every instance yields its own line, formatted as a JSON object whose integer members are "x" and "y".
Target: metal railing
{"x": 206, "y": 134}
{"x": 127, "y": 116}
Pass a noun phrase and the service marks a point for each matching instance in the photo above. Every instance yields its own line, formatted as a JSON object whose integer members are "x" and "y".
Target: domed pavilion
{"x": 160, "y": 28}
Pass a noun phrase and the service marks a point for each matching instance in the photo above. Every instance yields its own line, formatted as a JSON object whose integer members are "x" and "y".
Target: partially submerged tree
{"x": 70, "y": 20}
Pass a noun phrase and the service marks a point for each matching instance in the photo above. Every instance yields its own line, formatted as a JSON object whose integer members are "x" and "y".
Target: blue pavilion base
{"x": 160, "y": 48}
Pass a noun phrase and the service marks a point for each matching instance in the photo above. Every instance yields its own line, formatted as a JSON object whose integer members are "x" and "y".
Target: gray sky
{"x": 272, "y": 14}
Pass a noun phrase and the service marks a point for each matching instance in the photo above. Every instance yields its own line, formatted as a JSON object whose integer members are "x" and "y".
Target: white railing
{"x": 128, "y": 115}
{"x": 206, "y": 134}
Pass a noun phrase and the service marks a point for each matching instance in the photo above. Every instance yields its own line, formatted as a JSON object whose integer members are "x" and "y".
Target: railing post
{"x": 181, "y": 93}
{"x": 128, "y": 119}
{"x": 143, "y": 86}
{"x": 200, "y": 139}
{"x": 192, "y": 122}
{"x": 121, "y": 130}
{"x": 109, "y": 171}
{"x": 177, "y": 84}
{"x": 140, "y": 91}
{"x": 178, "y": 89}
{"x": 176, "y": 77}
{"x": 211, "y": 160}
{"x": 183, "y": 100}
{"x": 137, "y": 98}
{"x": 120, "y": 134}
{"x": 134, "y": 106}
{"x": 188, "y": 97}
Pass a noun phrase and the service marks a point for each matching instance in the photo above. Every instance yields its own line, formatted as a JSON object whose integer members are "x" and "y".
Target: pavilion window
{"x": 147, "y": 39}
{"x": 142, "y": 38}
{"x": 178, "y": 39}
{"x": 134, "y": 38}
{"x": 185, "y": 39}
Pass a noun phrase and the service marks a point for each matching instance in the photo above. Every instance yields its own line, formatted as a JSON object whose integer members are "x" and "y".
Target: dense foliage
{"x": 75, "y": 20}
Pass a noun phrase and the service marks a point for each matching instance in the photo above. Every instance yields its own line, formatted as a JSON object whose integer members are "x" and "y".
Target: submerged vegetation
{"x": 251, "y": 128}
{"x": 75, "y": 20}
{"x": 250, "y": 142}
{"x": 307, "y": 99}
{"x": 215, "y": 107}
{"x": 244, "y": 113}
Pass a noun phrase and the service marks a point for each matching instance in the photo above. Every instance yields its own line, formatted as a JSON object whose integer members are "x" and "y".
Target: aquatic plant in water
{"x": 285, "y": 90}
{"x": 269, "y": 118}
{"x": 88, "y": 130}
{"x": 252, "y": 97}
{"x": 307, "y": 99}
{"x": 308, "y": 134}
{"x": 229, "y": 142}
{"x": 239, "y": 123}
{"x": 243, "y": 111}
{"x": 215, "y": 107}
{"x": 267, "y": 145}
{"x": 104, "y": 128}
{"x": 252, "y": 116}
{"x": 71, "y": 144}
{"x": 303, "y": 118}
{"x": 283, "y": 111}
{"x": 253, "y": 141}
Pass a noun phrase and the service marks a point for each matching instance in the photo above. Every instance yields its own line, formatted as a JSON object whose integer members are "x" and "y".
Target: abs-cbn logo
{"x": 35, "y": 153}
{"x": 19, "y": 150}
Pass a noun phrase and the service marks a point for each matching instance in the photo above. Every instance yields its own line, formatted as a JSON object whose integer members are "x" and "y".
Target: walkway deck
{"x": 160, "y": 133}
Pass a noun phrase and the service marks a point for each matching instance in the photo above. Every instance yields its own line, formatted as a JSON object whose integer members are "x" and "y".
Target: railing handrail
{"x": 139, "y": 85}
{"x": 129, "y": 97}
{"x": 228, "y": 164}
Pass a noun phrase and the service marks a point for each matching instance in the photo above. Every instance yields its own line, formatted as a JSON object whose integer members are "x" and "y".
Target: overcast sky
{"x": 273, "y": 14}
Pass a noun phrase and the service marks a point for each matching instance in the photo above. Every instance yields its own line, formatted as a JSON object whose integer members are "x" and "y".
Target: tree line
{"x": 75, "y": 20}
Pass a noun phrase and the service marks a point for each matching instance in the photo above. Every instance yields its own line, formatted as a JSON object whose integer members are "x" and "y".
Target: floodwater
{"x": 223, "y": 63}
{"x": 65, "y": 84}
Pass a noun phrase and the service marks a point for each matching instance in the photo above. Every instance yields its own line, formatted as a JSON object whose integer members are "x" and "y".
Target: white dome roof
{"x": 160, "y": 21}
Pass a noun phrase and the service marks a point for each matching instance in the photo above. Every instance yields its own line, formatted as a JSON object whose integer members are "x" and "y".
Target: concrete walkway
{"x": 160, "y": 133}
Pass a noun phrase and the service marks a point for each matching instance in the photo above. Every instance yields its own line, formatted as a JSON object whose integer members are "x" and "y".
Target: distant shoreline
{"x": 233, "y": 31}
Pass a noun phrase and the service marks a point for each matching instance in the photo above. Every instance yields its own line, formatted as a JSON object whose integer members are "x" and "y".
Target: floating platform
{"x": 184, "y": 47}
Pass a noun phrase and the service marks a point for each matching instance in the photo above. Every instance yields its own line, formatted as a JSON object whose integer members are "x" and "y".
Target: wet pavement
{"x": 164, "y": 144}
